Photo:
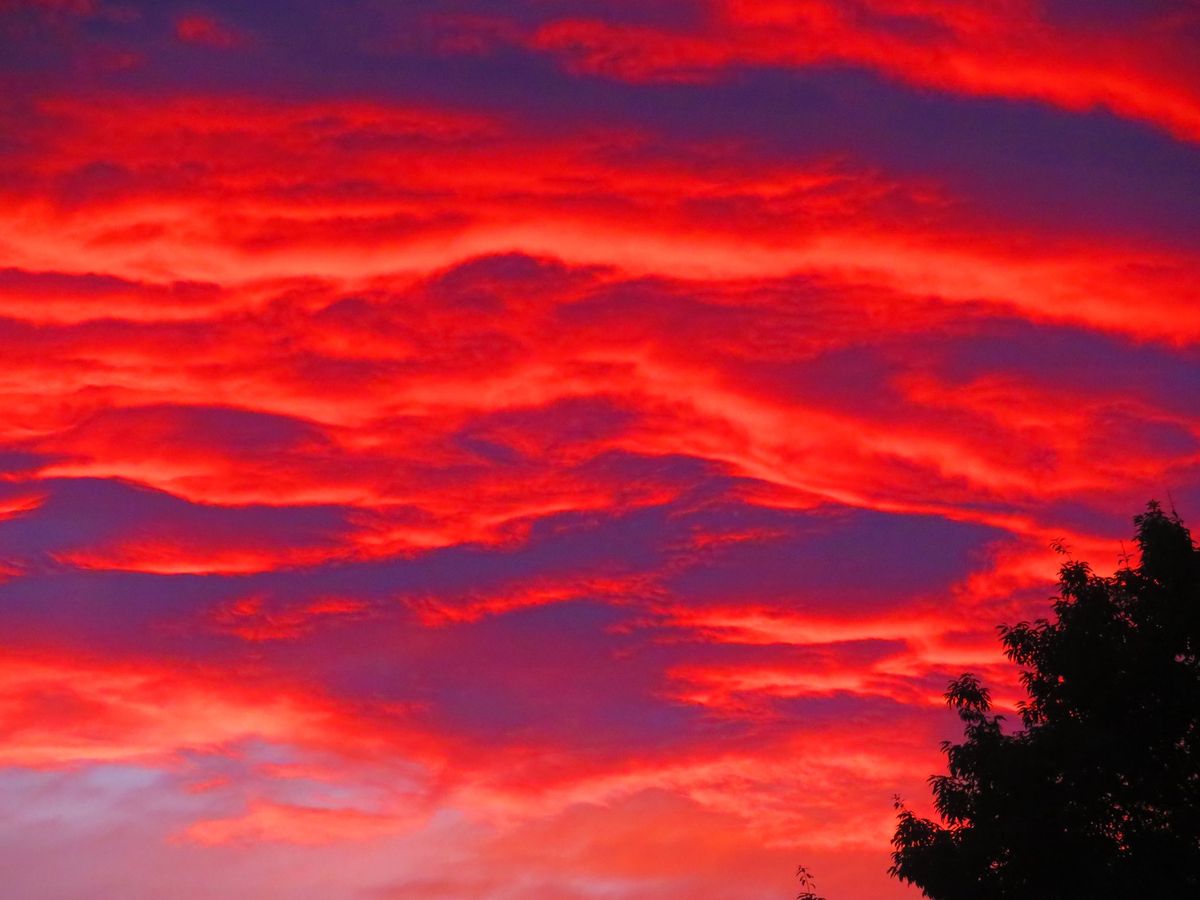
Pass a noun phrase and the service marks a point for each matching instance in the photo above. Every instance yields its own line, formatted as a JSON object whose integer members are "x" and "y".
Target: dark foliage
{"x": 1098, "y": 794}
{"x": 807, "y": 885}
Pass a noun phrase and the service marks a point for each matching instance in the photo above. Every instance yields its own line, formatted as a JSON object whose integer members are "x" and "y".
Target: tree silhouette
{"x": 1098, "y": 794}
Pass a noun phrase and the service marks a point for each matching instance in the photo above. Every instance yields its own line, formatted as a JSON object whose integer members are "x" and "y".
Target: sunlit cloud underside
{"x": 553, "y": 451}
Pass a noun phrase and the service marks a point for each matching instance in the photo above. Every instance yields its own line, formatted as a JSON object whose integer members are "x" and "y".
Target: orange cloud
{"x": 275, "y": 822}
{"x": 61, "y": 712}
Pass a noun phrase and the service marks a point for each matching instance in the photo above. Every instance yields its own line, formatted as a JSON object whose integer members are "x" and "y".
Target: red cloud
{"x": 207, "y": 31}
{"x": 515, "y": 498}
{"x": 1004, "y": 50}
{"x": 253, "y": 619}
{"x": 197, "y": 195}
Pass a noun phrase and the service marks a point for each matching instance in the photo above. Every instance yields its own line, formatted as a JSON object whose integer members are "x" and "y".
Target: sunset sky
{"x": 538, "y": 450}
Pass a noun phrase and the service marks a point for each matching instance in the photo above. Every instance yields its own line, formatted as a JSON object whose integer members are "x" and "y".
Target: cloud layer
{"x": 558, "y": 450}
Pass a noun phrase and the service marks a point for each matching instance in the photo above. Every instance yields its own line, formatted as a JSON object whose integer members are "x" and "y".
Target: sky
{"x": 542, "y": 450}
